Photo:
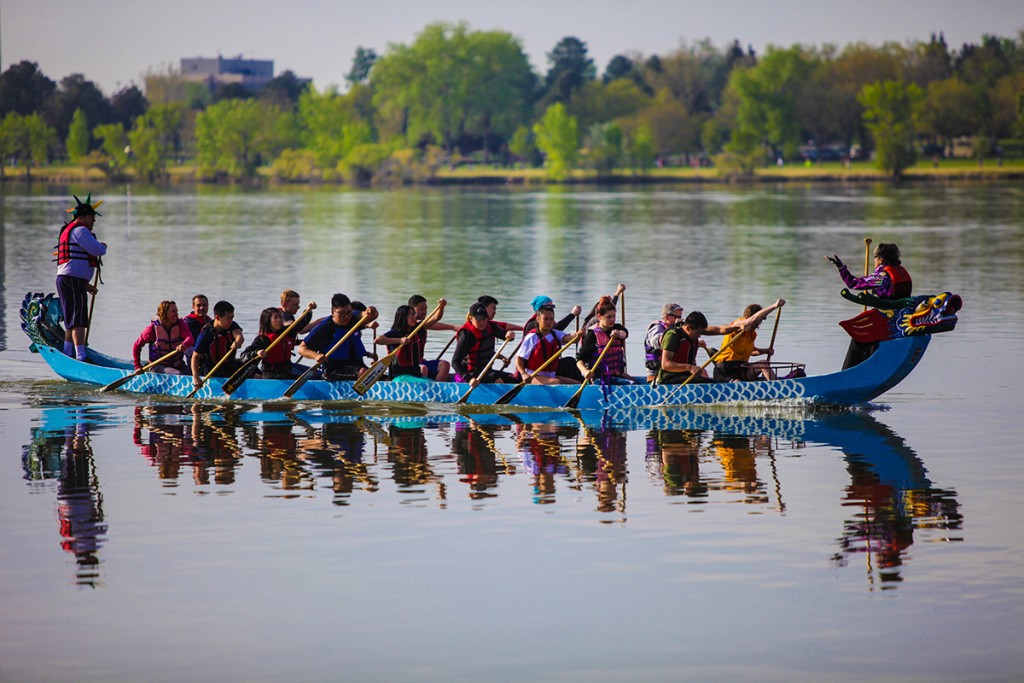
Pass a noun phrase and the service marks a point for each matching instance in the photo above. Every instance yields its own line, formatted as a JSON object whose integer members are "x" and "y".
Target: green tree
{"x": 24, "y": 89}
{"x": 639, "y": 149}
{"x": 522, "y": 145}
{"x": 569, "y": 68}
{"x": 77, "y": 142}
{"x": 950, "y": 110}
{"x": 113, "y": 143}
{"x": 233, "y": 137}
{"x": 603, "y": 147}
{"x": 154, "y": 138}
{"x": 890, "y": 110}
{"x": 453, "y": 87}
{"x": 322, "y": 118}
{"x": 362, "y": 63}
{"x": 597, "y": 102}
{"x": 27, "y": 140}
{"x": 769, "y": 93}
{"x": 557, "y": 136}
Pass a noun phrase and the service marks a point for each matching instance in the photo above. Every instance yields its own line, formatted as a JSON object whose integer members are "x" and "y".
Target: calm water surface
{"x": 153, "y": 539}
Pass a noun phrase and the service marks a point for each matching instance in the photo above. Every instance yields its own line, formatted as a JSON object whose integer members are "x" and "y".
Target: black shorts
{"x": 74, "y": 300}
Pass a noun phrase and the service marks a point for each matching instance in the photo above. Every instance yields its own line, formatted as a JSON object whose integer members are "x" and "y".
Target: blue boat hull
{"x": 893, "y": 361}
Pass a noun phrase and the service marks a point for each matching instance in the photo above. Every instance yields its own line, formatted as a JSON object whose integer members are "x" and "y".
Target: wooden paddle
{"x": 514, "y": 391}
{"x": 701, "y": 368}
{"x": 775, "y": 331}
{"x": 92, "y": 303}
{"x": 216, "y": 367}
{"x": 124, "y": 380}
{"x": 248, "y": 367}
{"x": 487, "y": 368}
{"x": 297, "y": 384}
{"x": 574, "y": 400}
{"x": 377, "y": 370}
{"x": 450, "y": 342}
{"x": 867, "y": 260}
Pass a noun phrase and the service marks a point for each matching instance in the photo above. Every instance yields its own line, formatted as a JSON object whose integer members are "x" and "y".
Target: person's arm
{"x": 187, "y": 341}
{"x": 196, "y": 364}
{"x": 442, "y": 326}
{"x": 526, "y": 348}
{"x": 145, "y": 338}
{"x": 754, "y": 320}
{"x": 586, "y": 351}
{"x": 463, "y": 343}
{"x": 87, "y": 241}
{"x": 389, "y": 338}
{"x": 669, "y": 344}
{"x": 872, "y": 281}
{"x": 236, "y": 334}
{"x": 315, "y": 340}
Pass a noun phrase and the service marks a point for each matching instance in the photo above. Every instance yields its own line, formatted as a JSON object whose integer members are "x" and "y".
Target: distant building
{"x": 218, "y": 71}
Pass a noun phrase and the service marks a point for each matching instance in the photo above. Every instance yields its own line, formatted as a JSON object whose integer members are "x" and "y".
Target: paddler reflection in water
{"x": 601, "y": 454}
{"x": 674, "y": 455}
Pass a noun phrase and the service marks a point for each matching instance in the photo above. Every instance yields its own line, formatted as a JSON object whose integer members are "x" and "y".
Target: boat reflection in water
{"x": 695, "y": 458}
{"x": 60, "y": 450}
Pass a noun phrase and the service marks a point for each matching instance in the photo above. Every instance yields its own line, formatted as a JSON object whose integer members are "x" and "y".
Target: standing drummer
{"x": 78, "y": 255}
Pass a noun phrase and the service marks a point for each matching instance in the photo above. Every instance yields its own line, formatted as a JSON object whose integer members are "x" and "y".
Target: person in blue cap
{"x": 541, "y": 301}
{"x": 78, "y": 255}
{"x": 566, "y": 365}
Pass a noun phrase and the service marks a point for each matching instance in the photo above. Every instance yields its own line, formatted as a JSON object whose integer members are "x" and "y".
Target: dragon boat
{"x": 901, "y": 329}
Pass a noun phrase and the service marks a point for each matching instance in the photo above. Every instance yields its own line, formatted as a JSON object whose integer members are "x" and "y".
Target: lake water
{"x": 150, "y": 539}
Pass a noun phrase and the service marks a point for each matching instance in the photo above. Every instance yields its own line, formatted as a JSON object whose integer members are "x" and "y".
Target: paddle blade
{"x": 118, "y": 383}
{"x": 510, "y": 394}
{"x": 297, "y": 384}
{"x": 371, "y": 376}
{"x": 243, "y": 373}
{"x": 574, "y": 400}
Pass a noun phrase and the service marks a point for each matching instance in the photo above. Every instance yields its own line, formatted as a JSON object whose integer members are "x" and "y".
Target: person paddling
{"x": 566, "y": 364}
{"x": 277, "y": 363}
{"x": 605, "y": 332}
{"x": 165, "y": 333}
{"x": 78, "y": 256}
{"x": 346, "y": 362}
{"x": 540, "y": 344}
{"x": 218, "y": 338}
{"x": 737, "y": 348}
{"x": 410, "y": 359}
{"x": 474, "y": 348}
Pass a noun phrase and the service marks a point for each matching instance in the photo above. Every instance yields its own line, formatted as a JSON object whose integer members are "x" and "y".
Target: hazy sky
{"x": 112, "y": 42}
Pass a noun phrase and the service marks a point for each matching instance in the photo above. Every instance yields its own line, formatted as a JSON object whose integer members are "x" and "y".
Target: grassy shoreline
{"x": 948, "y": 169}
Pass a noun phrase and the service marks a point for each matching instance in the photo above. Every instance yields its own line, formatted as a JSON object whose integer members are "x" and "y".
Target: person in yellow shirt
{"x": 734, "y": 361}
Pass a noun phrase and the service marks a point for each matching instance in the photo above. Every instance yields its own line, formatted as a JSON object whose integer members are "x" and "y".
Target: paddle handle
{"x": 446, "y": 346}
{"x": 867, "y": 260}
{"x": 574, "y": 399}
{"x": 92, "y": 303}
{"x": 775, "y": 331}
{"x": 158, "y": 361}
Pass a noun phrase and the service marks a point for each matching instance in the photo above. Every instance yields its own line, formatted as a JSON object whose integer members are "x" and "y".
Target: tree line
{"x": 456, "y": 95}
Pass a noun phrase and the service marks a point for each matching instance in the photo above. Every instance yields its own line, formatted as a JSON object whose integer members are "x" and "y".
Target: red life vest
{"x": 220, "y": 344}
{"x": 483, "y": 345}
{"x": 282, "y": 353}
{"x": 902, "y": 285}
{"x": 66, "y": 250}
{"x": 164, "y": 340}
{"x": 614, "y": 363}
{"x": 686, "y": 351}
{"x": 412, "y": 353}
{"x": 543, "y": 351}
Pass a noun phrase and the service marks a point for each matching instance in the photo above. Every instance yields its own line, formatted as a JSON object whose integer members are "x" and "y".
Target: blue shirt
{"x": 326, "y": 334}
